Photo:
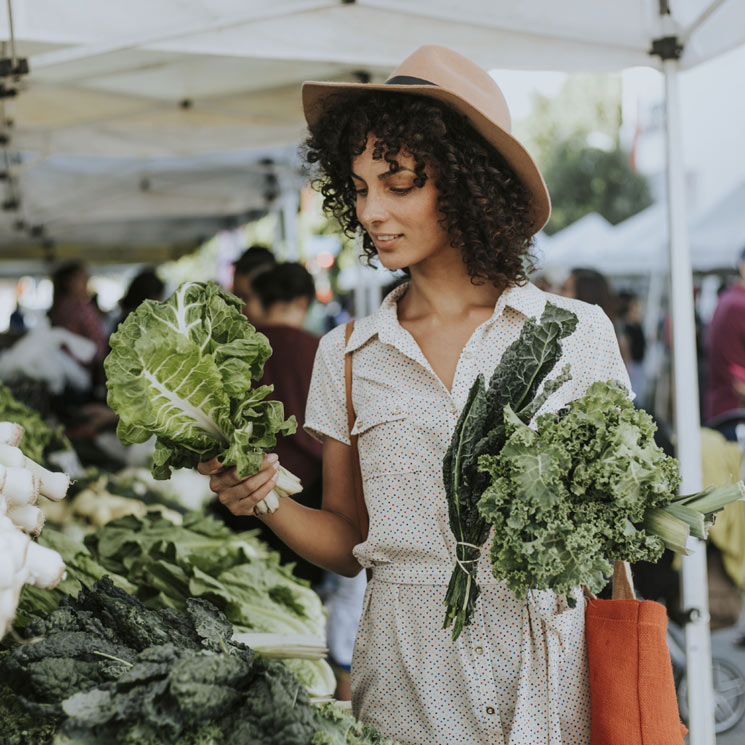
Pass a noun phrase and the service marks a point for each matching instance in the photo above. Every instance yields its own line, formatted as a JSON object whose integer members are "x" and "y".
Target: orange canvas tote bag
{"x": 631, "y": 675}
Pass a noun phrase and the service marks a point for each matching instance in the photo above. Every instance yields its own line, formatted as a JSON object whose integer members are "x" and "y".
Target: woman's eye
{"x": 401, "y": 190}
{"x": 360, "y": 192}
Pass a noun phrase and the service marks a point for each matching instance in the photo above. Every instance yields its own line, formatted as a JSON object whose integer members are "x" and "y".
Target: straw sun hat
{"x": 449, "y": 77}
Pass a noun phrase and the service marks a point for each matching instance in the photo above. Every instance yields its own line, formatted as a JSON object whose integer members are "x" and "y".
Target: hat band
{"x": 408, "y": 80}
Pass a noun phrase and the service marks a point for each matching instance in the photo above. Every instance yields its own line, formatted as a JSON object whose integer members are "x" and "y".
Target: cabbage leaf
{"x": 182, "y": 370}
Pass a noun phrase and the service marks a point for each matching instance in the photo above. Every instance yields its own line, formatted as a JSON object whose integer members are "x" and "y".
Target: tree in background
{"x": 575, "y": 138}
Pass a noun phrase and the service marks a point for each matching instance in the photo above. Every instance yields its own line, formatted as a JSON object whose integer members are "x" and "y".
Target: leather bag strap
{"x": 363, "y": 519}
{"x": 623, "y": 588}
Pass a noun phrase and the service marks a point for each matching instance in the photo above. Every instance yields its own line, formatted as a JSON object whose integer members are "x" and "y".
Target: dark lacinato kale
{"x": 516, "y": 380}
{"x": 18, "y": 726}
{"x": 96, "y": 669}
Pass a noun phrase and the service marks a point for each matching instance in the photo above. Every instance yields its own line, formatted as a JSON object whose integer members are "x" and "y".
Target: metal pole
{"x": 687, "y": 422}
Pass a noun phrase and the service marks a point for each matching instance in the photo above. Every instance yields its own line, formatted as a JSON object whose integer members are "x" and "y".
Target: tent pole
{"x": 687, "y": 421}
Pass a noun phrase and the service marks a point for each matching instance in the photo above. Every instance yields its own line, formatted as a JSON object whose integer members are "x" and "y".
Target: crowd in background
{"x": 721, "y": 371}
{"x": 277, "y": 297}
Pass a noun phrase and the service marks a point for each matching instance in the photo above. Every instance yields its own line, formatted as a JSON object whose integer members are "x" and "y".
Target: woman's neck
{"x": 444, "y": 290}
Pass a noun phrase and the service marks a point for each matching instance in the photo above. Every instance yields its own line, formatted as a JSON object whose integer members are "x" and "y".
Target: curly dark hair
{"x": 485, "y": 209}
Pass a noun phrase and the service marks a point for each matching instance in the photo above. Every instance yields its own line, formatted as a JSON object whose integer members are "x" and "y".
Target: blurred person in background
{"x": 146, "y": 285}
{"x": 629, "y": 311}
{"x": 282, "y": 294}
{"x": 725, "y": 358}
{"x": 285, "y": 293}
{"x": 591, "y": 286}
{"x": 72, "y": 307}
{"x": 252, "y": 262}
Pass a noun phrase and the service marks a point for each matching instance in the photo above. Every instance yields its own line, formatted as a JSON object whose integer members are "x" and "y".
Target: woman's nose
{"x": 371, "y": 209}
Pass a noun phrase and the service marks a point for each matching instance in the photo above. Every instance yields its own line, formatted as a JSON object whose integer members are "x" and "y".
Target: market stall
{"x": 101, "y": 83}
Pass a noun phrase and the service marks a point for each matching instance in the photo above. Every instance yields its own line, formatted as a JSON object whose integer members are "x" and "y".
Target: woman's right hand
{"x": 240, "y": 496}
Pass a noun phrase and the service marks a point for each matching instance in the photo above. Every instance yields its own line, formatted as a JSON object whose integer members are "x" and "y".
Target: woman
{"x": 146, "y": 285}
{"x": 590, "y": 286}
{"x": 425, "y": 165}
{"x": 72, "y": 307}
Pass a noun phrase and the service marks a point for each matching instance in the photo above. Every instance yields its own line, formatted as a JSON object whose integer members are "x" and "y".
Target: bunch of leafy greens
{"x": 182, "y": 370}
{"x": 110, "y": 671}
{"x": 38, "y": 435}
{"x": 165, "y": 565}
{"x": 81, "y": 570}
{"x": 587, "y": 487}
{"x": 524, "y": 366}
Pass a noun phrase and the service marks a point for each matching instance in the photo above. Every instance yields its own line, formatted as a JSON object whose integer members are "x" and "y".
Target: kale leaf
{"x": 571, "y": 496}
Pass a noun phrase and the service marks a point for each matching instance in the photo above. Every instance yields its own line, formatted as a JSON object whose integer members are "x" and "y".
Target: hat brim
{"x": 318, "y": 97}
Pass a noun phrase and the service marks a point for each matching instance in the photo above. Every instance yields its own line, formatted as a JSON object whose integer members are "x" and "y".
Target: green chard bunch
{"x": 182, "y": 370}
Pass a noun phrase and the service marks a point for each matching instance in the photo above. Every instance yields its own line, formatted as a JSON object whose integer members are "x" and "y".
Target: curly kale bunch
{"x": 573, "y": 495}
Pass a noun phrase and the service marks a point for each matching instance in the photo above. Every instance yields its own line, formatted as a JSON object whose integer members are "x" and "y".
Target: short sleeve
{"x": 609, "y": 364}
{"x": 326, "y": 409}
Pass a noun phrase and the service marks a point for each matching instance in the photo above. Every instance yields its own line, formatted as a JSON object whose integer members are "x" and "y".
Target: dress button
{"x": 489, "y": 709}
{"x": 479, "y": 650}
{"x": 467, "y": 355}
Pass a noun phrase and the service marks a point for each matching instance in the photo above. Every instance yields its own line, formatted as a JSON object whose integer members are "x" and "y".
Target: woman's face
{"x": 401, "y": 219}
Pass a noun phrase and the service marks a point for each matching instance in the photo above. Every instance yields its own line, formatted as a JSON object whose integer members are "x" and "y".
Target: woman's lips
{"x": 386, "y": 240}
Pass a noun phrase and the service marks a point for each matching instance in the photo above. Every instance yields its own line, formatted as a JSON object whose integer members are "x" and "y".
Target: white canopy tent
{"x": 638, "y": 245}
{"x": 186, "y": 78}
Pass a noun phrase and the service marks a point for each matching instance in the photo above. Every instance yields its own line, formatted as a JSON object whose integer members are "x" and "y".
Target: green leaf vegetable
{"x": 587, "y": 487}
{"x": 38, "y": 435}
{"x": 103, "y": 669}
{"x": 524, "y": 366}
{"x": 182, "y": 370}
{"x": 166, "y": 564}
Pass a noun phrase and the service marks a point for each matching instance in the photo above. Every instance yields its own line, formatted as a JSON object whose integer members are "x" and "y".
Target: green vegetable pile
{"x": 170, "y": 563}
{"x": 106, "y": 670}
{"x": 38, "y": 435}
{"x": 165, "y": 565}
{"x": 182, "y": 370}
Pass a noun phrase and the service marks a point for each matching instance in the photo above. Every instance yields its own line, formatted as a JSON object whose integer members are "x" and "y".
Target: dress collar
{"x": 526, "y": 299}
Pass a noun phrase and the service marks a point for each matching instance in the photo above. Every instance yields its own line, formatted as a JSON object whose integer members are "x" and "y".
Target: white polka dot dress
{"x": 517, "y": 675}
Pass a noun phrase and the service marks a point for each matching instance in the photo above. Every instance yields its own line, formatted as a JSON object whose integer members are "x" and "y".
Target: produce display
{"x": 182, "y": 370}
{"x": 586, "y": 486}
{"x": 165, "y": 565}
{"x": 23, "y": 561}
{"x": 38, "y": 435}
{"x": 132, "y": 620}
{"x": 103, "y": 669}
